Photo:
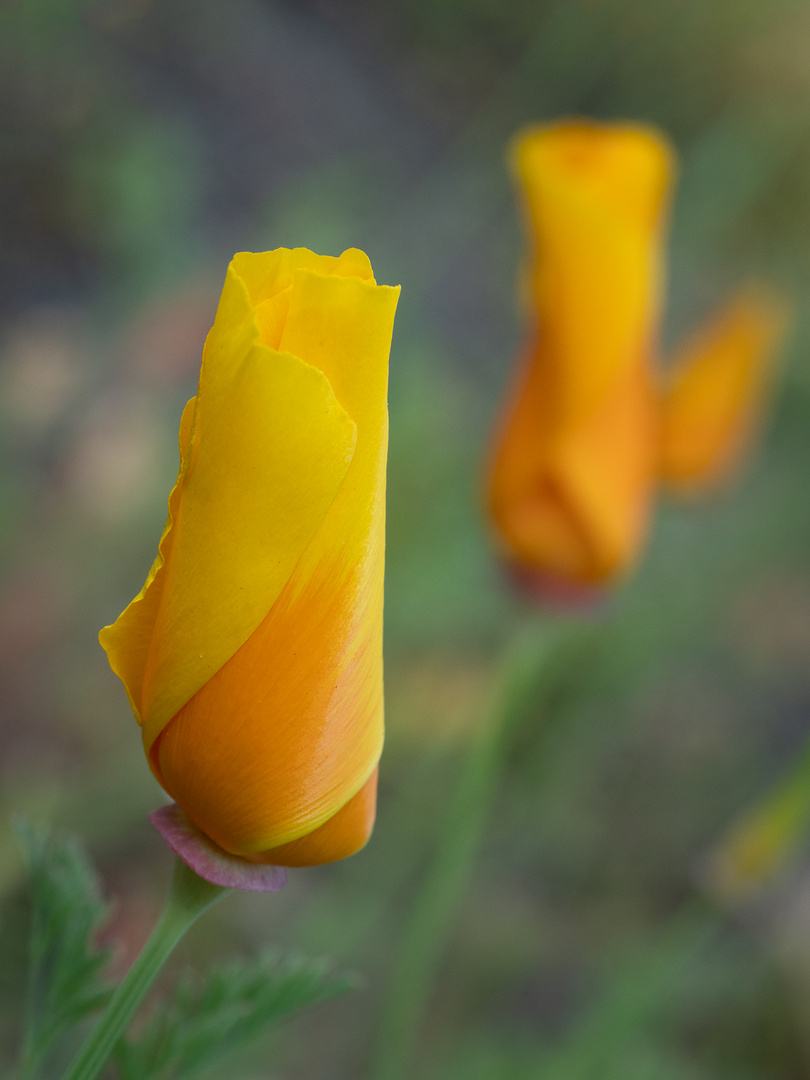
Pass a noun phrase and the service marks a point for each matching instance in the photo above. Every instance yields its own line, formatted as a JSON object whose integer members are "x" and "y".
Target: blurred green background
{"x": 142, "y": 142}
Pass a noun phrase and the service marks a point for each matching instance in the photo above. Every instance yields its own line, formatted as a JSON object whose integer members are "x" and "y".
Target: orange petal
{"x": 303, "y": 695}
{"x": 576, "y": 509}
{"x": 290, "y": 728}
{"x": 342, "y": 835}
{"x": 716, "y": 391}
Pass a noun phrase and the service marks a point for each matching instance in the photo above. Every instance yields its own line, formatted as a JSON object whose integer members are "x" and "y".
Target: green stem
{"x": 421, "y": 946}
{"x": 189, "y": 896}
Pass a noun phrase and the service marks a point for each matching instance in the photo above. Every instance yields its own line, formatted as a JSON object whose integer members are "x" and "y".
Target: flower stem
{"x": 189, "y": 896}
{"x": 530, "y": 658}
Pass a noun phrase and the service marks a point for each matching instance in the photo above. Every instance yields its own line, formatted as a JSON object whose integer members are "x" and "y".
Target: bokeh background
{"x": 142, "y": 143}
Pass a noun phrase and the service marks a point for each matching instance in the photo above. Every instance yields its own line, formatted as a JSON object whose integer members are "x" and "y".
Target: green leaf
{"x": 210, "y": 1017}
{"x": 65, "y": 964}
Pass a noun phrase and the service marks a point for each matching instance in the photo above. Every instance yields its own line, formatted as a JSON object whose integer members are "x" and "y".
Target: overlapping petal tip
{"x": 344, "y": 834}
{"x": 717, "y": 388}
{"x": 253, "y": 655}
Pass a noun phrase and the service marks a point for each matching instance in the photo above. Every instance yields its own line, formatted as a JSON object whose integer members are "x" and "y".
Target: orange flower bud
{"x": 587, "y": 430}
{"x": 252, "y": 657}
{"x": 575, "y": 454}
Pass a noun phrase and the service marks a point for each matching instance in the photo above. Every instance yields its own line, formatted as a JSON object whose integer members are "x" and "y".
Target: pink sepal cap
{"x": 208, "y": 860}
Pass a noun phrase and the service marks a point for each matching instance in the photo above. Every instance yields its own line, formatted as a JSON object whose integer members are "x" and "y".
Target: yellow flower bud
{"x": 252, "y": 656}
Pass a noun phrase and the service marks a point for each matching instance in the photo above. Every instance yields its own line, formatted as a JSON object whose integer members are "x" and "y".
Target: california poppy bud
{"x": 252, "y": 657}
{"x": 575, "y": 454}
{"x": 590, "y": 426}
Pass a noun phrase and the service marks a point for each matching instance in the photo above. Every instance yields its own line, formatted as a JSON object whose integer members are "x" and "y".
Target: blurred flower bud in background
{"x": 574, "y": 462}
{"x": 588, "y": 430}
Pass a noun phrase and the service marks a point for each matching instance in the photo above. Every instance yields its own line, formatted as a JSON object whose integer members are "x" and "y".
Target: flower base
{"x": 208, "y": 860}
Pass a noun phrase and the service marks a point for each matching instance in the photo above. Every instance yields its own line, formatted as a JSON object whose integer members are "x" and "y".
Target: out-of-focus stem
{"x": 188, "y": 898}
{"x": 424, "y": 936}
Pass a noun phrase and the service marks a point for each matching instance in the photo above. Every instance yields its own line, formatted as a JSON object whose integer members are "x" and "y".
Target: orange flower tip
{"x": 208, "y": 860}
{"x": 555, "y": 593}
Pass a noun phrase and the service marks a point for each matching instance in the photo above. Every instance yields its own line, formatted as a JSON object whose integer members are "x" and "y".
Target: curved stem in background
{"x": 189, "y": 896}
{"x": 530, "y": 661}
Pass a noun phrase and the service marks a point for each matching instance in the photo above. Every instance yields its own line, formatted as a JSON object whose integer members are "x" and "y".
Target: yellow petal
{"x": 127, "y": 642}
{"x": 716, "y": 390}
{"x": 596, "y": 197}
{"x": 303, "y": 695}
{"x": 266, "y": 273}
{"x": 270, "y": 450}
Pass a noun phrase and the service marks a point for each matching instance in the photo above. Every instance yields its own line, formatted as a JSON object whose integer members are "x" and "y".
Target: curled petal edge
{"x": 208, "y": 860}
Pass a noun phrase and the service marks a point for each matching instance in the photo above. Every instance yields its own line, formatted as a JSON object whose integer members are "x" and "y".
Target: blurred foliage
{"x": 65, "y": 982}
{"x": 198, "y": 1021}
{"x": 209, "y": 1018}
{"x": 142, "y": 144}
